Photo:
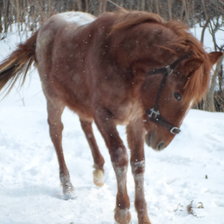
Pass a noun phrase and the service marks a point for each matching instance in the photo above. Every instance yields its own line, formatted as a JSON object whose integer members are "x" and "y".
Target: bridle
{"x": 154, "y": 113}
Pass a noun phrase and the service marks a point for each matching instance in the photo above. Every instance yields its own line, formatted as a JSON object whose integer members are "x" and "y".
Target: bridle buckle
{"x": 175, "y": 130}
{"x": 169, "y": 70}
{"x": 153, "y": 113}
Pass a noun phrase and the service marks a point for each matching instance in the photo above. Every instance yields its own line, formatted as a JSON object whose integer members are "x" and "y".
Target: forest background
{"x": 28, "y": 15}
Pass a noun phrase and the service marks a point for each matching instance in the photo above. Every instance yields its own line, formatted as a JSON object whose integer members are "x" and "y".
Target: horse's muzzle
{"x": 156, "y": 145}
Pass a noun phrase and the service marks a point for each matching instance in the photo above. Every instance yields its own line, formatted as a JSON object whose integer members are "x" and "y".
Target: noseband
{"x": 154, "y": 113}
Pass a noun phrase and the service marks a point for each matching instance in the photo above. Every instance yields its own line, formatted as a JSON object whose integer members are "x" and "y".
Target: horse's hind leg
{"x": 54, "y": 120}
{"x": 97, "y": 157}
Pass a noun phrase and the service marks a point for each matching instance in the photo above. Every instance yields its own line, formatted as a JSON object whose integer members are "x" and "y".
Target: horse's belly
{"x": 83, "y": 110}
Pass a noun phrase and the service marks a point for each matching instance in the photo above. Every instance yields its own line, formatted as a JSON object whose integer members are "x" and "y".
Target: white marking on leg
{"x": 139, "y": 178}
{"x": 121, "y": 173}
{"x": 136, "y": 165}
{"x": 98, "y": 177}
{"x": 68, "y": 189}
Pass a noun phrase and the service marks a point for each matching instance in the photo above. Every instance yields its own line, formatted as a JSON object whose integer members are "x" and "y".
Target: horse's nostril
{"x": 161, "y": 146}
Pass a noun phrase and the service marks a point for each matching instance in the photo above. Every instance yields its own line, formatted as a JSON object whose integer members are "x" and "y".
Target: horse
{"x": 131, "y": 68}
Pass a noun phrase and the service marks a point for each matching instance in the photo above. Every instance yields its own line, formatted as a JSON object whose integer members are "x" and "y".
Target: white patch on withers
{"x": 80, "y": 18}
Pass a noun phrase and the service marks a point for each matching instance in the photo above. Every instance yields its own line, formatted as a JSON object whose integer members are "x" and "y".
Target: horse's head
{"x": 143, "y": 43}
{"x": 168, "y": 93}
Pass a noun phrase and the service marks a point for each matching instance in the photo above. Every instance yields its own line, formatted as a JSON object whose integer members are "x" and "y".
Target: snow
{"x": 80, "y": 18}
{"x": 183, "y": 184}
{"x": 208, "y": 42}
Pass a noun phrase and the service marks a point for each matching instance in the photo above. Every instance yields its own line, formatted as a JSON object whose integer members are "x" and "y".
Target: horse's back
{"x": 58, "y": 26}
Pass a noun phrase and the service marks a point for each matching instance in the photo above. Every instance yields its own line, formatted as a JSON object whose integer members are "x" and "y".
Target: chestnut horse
{"x": 126, "y": 67}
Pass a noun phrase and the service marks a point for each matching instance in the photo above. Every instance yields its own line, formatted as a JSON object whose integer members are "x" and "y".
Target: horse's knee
{"x": 55, "y": 125}
{"x": 119, "y": 158}
{"x": 138, "y": 167}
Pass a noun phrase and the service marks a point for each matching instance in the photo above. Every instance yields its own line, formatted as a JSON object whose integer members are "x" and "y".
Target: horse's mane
{"x": 126, "y": 19}
{"x": 198, "y": 83}
{"x": 184, "y": 43}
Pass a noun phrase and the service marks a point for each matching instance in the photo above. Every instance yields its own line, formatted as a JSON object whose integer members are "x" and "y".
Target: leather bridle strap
{"x": 154, "y": 113}
{"x": 154, "y": 116}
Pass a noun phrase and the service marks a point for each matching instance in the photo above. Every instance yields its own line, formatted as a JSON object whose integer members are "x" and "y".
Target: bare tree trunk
{"x": 79, "y": 5}
{"x": 204, "y": 9}
{"x": 170, "y": 6}
{"x": 86, "y": 5}
{"x": 209, "y": 104}
{"x": 142, "y": 5}
{"x": 203, "y": 30}
{"x": 185, "y": 12}
{"x": 102, "y": 7}
{"x": 1, "y": 18}
{"x": 157, "y": 7}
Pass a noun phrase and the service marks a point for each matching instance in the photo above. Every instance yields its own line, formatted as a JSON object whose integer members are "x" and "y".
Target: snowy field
{"x": 183, "y": 184}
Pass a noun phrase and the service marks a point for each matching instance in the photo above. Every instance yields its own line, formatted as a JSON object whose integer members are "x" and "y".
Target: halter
{"x": 153, "y": 113}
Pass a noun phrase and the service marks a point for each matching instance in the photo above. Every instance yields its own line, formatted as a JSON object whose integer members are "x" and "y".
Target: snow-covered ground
{"x": 183, "y": 184}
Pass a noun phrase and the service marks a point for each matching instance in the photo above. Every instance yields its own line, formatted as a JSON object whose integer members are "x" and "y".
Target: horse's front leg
{"x": 135, "y": 133}
{"x": 119, "y": 160}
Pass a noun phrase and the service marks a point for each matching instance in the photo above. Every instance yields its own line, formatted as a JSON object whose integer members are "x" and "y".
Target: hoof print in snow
{"x": 194, "y": 208}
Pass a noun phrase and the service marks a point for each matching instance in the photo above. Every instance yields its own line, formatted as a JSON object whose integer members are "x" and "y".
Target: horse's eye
{"x": 177, "y": 73}
{"x": 177, "y": 96}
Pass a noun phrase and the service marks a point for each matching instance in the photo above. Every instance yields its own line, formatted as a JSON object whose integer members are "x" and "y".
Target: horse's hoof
{"x": 144, "y": 220}
{"x": 69, "y": 196}
{"x": 98, "y": 177}
{"x": 68, "y": 192}
{"x": 122, "y": 216}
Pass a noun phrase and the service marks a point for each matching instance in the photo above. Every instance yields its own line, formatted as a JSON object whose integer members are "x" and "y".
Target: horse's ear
{"x": 214, "y": 56}
{"x": 193, "y": 64}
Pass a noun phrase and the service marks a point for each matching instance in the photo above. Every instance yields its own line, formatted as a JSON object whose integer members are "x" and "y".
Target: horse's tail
{"x": 18, "y": 63}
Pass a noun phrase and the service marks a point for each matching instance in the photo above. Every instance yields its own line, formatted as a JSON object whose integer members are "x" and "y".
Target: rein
{"x": 154, "y": 113}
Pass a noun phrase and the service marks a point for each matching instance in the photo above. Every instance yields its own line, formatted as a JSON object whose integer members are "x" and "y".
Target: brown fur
{"x": 100, "y": 71}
